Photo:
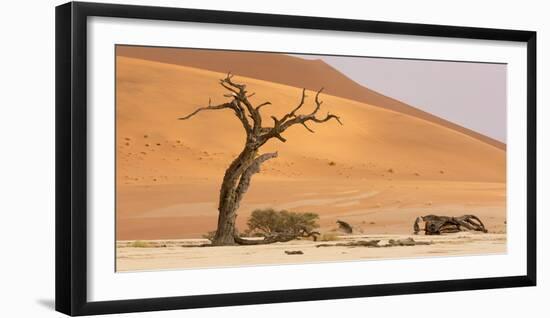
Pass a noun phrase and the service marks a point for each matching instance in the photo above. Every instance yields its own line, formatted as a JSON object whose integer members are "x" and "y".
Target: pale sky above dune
{"x": 472, "y": 95}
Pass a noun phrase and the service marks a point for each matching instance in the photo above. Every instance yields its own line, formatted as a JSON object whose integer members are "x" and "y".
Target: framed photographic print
{"x": 208, "y": 158}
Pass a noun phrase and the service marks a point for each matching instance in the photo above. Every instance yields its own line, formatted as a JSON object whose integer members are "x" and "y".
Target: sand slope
{"x": 383, "y": 164}
{"x": 288, "y": 70}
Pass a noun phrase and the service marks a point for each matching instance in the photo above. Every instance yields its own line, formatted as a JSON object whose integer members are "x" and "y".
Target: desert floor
{"x": 176, "y": 254}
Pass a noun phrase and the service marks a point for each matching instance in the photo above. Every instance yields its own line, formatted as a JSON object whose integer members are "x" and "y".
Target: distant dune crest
{"x": 292, "y": 71}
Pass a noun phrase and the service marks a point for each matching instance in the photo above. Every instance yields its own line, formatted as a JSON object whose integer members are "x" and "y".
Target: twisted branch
{"x": 244, "y": 110}
{"x": 277, "y": 237}
{"x": 291, "y": 119}
{"x": 209, "y": 107}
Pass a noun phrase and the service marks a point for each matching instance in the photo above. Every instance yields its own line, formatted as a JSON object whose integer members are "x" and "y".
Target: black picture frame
{"x": 71, "y": 157}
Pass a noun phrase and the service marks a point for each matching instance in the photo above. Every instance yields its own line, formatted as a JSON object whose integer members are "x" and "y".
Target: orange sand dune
{"x": 378, "y": 171}
{"x": 288, "y": 70}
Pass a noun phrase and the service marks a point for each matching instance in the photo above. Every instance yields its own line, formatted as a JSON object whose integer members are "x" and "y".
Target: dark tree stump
{"x": 345, "y": 227}
{"x": 436, "y": 225}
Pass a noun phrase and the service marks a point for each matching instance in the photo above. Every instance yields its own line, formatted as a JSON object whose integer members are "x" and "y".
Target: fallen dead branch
{"x": 294, "y": 252}
{"x": 375, "y": 243}
{"x": 406, "y": 242}
{"x": 277, "y": 238}
{"x": 435, "y": 224}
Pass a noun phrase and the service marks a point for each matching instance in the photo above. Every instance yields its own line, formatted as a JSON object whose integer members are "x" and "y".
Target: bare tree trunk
{"x": 228, "y": 204}
{"x": 235, "y": 184}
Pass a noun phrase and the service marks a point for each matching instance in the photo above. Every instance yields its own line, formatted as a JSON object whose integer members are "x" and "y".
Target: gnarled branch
{"x": 291, "y": 119}
{"x": 209, "y": 107}
{"x": 327, "y": 118}
{"x": 244, "y": 110}
{"x": 276, "y": 238}
{"x": 293, "y": 112}
{"x": 262, "y": 105}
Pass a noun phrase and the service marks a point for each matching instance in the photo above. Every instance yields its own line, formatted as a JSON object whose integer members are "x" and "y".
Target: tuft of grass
{"x": 332, "y": 163}
{"x": 326, "y": 237}
{"x": 209, "y": 235}
{"x": 139, "y": 244}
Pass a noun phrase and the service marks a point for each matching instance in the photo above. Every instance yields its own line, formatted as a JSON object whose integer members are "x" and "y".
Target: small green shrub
{"x": 269, "y": 222}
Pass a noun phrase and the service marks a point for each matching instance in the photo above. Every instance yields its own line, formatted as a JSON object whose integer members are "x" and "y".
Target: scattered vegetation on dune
{"x": 140, "y": 244}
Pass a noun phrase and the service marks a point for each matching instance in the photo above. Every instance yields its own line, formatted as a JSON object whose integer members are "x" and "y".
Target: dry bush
{"x": 268, "y": 222}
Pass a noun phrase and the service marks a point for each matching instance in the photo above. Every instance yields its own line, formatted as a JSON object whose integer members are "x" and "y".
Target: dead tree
{"x": 435, "y": 225}
{"x": 239, "y": 173}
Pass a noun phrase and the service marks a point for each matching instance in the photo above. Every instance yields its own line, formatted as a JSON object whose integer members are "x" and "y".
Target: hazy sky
{"x": 472, "y": 95}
